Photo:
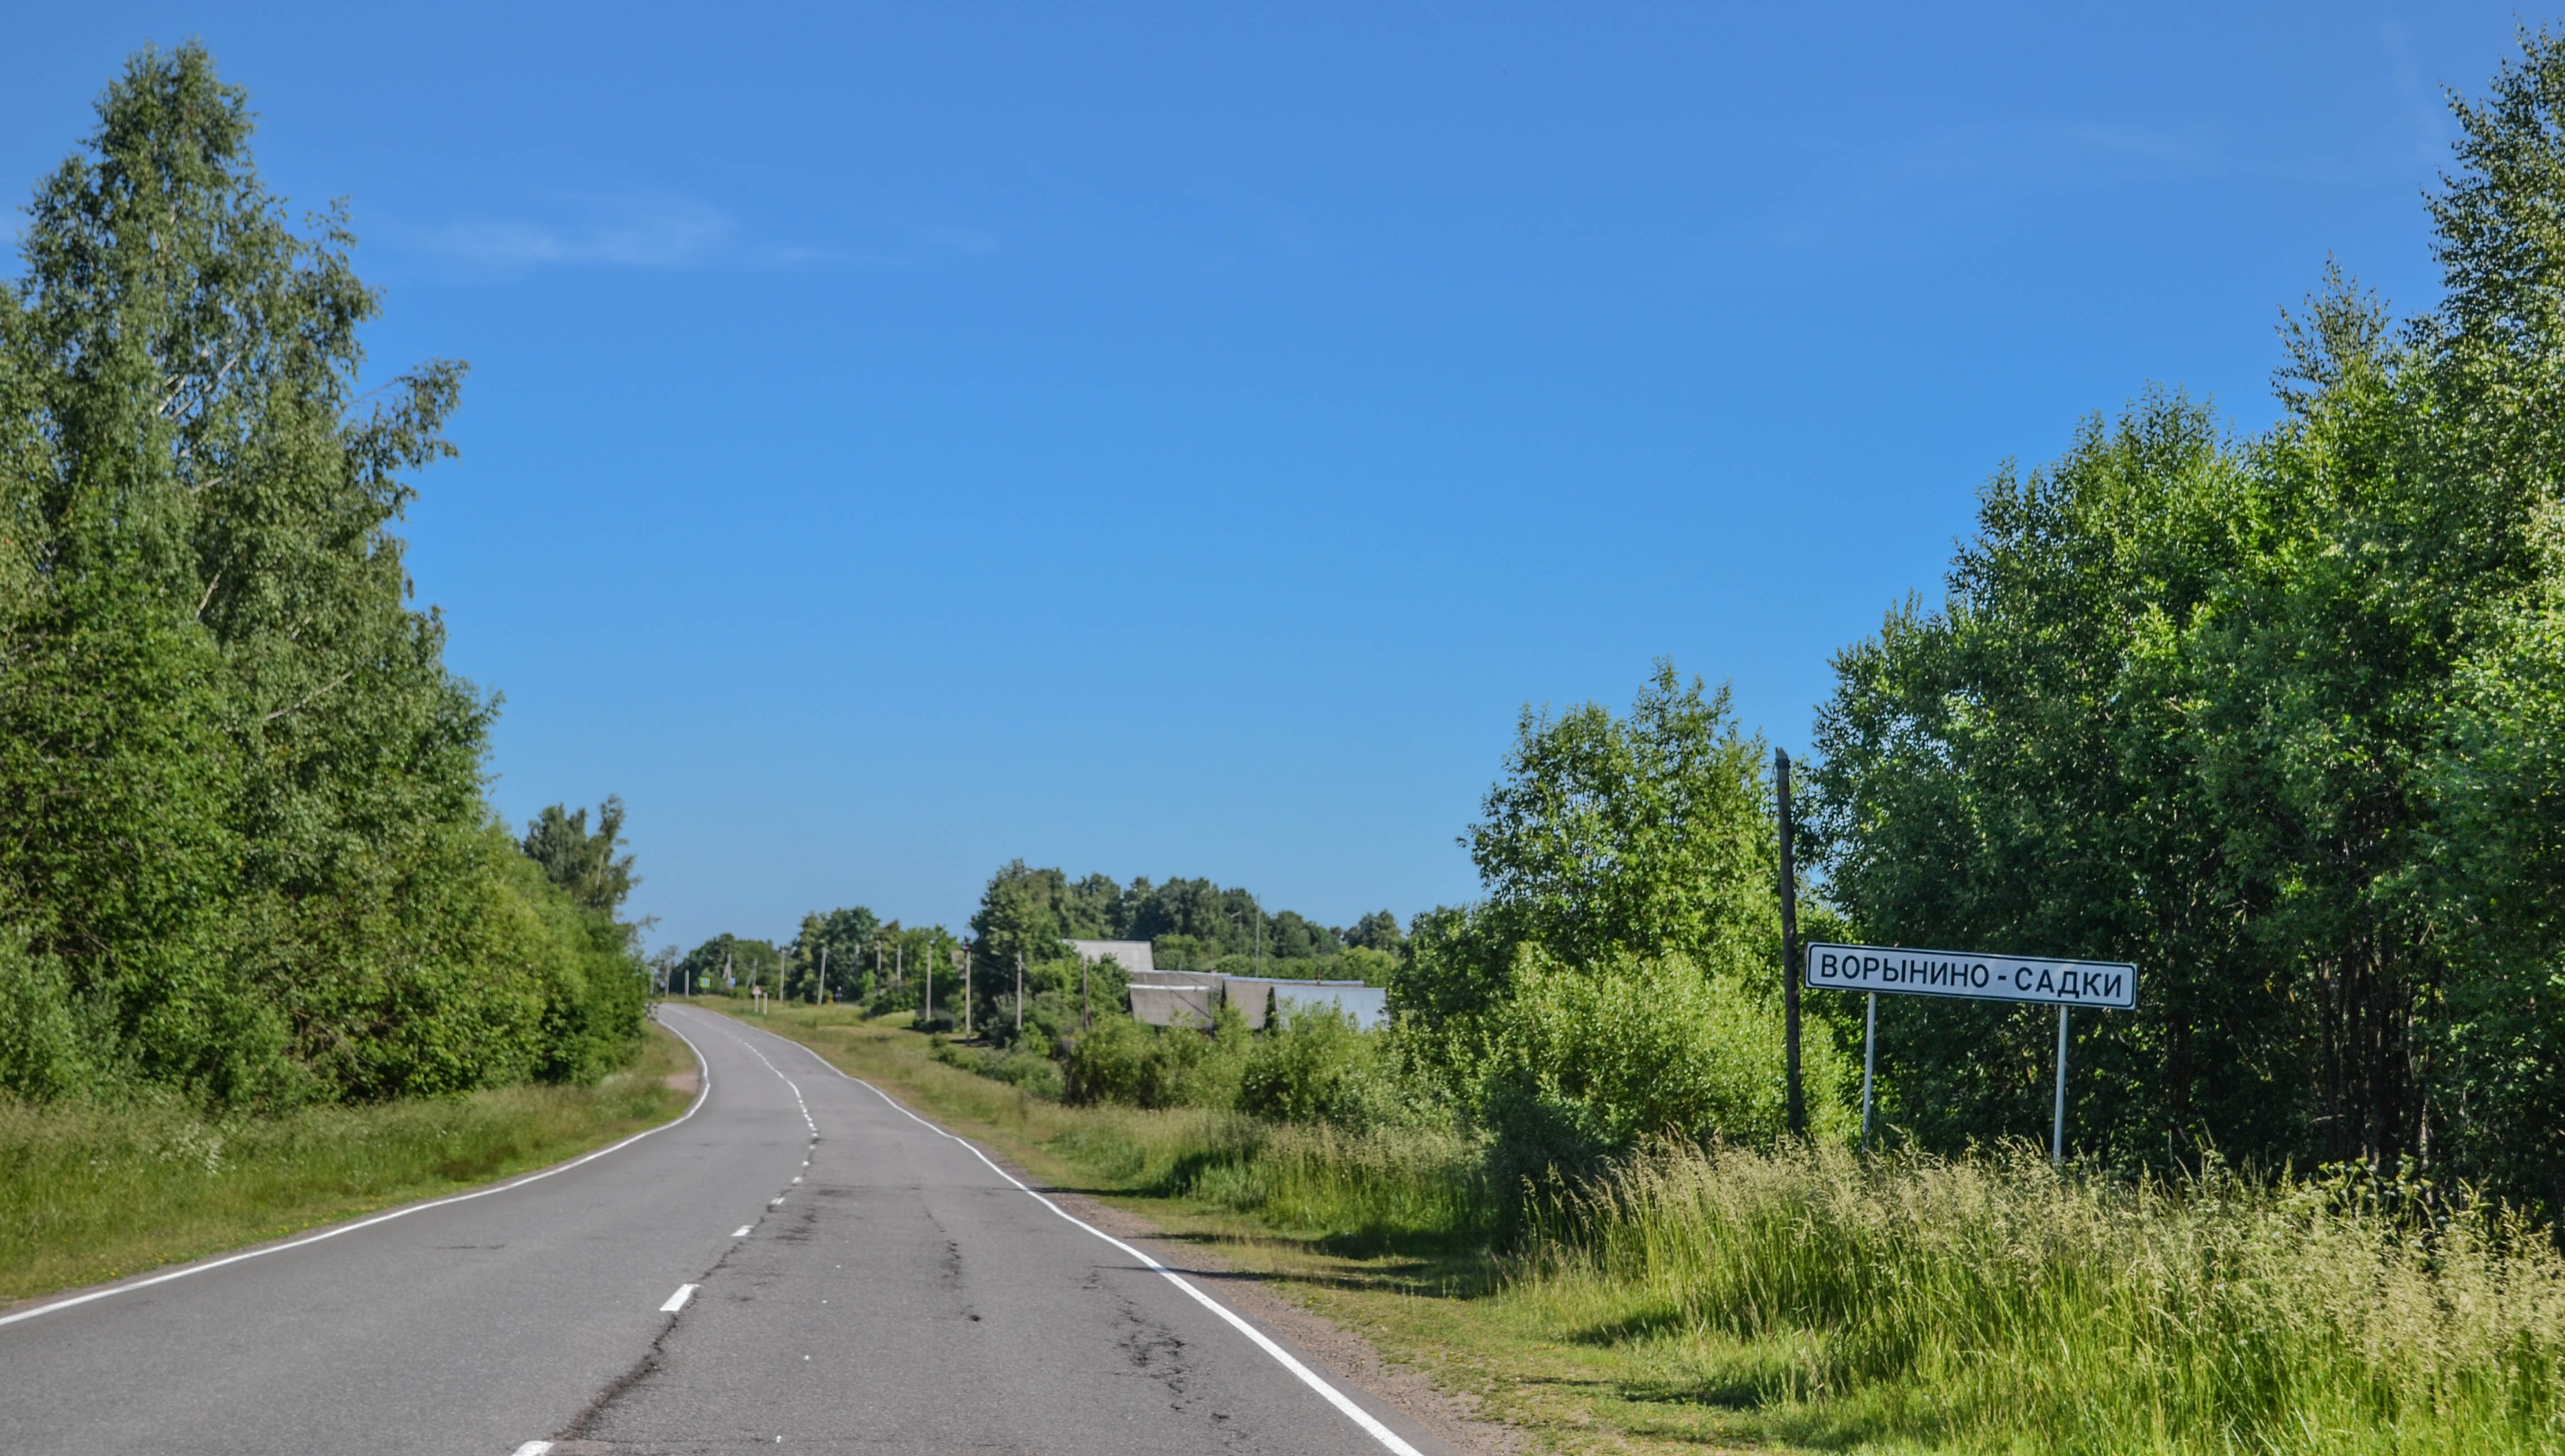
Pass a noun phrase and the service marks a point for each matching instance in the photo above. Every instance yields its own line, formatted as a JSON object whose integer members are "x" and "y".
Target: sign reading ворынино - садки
{"x": 1972, "y": 974}
{"x": 1977, "y": 976}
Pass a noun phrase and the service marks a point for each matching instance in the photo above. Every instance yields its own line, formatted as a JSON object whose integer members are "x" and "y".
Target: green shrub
{"x": 41, "y": 1042}
{"x": 1583, "y": 1064}
{"x": 1316, "y": 1067}
{"x": 1120, "y": 1060}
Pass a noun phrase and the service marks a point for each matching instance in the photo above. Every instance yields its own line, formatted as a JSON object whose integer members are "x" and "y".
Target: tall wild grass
{"x": 96, "y": 1191}
{"x": 1358, "y": 1188}
{"x": 1991, "y": 1304}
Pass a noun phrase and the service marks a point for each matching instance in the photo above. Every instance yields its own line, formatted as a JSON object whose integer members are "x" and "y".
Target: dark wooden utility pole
{"x": 1796, "y": 1102}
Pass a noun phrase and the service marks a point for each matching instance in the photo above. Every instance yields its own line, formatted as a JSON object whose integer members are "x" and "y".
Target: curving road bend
{"x": 799, "y": 1262}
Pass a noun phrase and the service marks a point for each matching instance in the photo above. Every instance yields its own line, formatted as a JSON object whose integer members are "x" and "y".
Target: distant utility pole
{"x": 962, "y": 960}
{"x": 1797, "y": 1101}
{"x": 1020, "y": 995}
{"x": 824, "y": 972}
{"x": 928, "y": 967}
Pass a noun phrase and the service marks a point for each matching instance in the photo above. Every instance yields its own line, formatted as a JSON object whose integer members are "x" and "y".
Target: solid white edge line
{"x": 1336, "y": 1397}
{"x": 678, "y": 1300}
{"x": 703, "y": 1067}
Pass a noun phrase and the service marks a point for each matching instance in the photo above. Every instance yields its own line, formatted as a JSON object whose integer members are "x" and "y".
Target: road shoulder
{"x": 142, "y": 1253}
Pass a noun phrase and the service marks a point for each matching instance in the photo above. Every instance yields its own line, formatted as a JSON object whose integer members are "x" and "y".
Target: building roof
{"x": 1133, "y": 956}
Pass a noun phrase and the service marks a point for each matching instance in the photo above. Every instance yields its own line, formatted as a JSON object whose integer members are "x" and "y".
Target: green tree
{"x": 1378, "y": 930}
{"x": 730, "y": 965}
{"x": 1025, "y": 911}
{"x": 240, "y": 808}
{"x": 837, "y": 944}
{"x": 2275, "y": 718}
{"x": 584, "y": 864}
{"x": 2009, "y": 772}
{"x": 1650, "y": 834}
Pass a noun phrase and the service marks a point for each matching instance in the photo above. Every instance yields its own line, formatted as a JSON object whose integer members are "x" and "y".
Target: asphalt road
{"x": 798, "y": 1263}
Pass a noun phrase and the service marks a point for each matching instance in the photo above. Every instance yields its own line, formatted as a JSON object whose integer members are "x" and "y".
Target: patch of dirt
{"x": 688, "y": 1082}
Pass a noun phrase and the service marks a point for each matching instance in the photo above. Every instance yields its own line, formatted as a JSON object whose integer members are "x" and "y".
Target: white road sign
{"x": 1972, "y": 974}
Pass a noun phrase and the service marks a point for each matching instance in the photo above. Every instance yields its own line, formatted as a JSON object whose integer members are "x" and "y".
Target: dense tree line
{"x": 2276, "y": 716}
{"x": 1192, "y": 924}
{"x": 847, "y": 954}
{"x": 243, "y": 846}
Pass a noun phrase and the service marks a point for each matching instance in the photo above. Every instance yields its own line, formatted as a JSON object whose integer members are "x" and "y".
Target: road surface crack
{"x": 652, "y": 1360}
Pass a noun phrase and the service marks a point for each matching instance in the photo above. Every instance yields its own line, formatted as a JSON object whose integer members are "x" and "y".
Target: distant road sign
{"x": 1972, "y": 974}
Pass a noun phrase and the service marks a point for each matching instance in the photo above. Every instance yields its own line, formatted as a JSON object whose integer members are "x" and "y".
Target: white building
{"x": 1188, "y": 998}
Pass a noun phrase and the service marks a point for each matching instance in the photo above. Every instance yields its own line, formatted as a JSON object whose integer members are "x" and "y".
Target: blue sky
{"x": 1180, "y": 439}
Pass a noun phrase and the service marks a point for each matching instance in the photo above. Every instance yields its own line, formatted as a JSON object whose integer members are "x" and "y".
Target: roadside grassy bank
{"x": 92, "y": 1193}
{"x": 1817, "y": 1300}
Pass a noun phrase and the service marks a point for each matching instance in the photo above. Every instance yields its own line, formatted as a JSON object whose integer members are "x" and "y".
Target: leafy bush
{"x": 1120, "y": 1060}
{"x": 42, "y": 1044}
{"x": 1317, "y": 1066}
{"x": 1583, "y": 1064}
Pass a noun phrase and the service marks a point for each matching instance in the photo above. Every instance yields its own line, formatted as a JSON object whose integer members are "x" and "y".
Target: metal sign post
{"x": 1976, "y": 976}
{"x": 1795, "y": 1103}
{"x": 2058, "y": 1127}
{"x": 1869, "y": 1062}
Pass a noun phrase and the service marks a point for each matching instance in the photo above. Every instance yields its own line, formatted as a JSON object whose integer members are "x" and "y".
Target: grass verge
{"x": 91, "y": 1193}
{"x": 1816, "y": 1300}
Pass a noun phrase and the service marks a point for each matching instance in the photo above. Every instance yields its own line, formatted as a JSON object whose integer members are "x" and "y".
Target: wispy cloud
{"x": 620, "y": 233}
{"x": 796, "y": 255}
{"x": 597, "y": 231}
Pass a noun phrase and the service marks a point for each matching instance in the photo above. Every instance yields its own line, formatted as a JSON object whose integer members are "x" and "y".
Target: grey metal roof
{"x": 1131, "y": 955}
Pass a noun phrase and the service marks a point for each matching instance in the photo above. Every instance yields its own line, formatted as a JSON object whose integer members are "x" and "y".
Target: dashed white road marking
{"x": 742, "y": 1231}
{"x": 534, "y": 1448}
{"x": 796, "y": 1178}
{"x": 1345, "y": 1403}
{"x": 678, "y": 1300}
{"x": 703, "y": 1070}
{"x": 775, "y": 1203}
{"x": 807, "y": 1120}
